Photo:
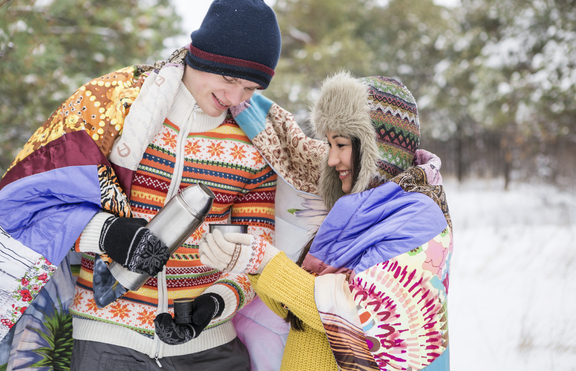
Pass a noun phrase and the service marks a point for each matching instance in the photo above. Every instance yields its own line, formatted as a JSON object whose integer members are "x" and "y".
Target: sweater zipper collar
{"x": 172, "y": 191}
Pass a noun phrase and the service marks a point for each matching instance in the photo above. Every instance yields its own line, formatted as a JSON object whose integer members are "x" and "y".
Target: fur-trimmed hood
{"x": 381, "y": 113}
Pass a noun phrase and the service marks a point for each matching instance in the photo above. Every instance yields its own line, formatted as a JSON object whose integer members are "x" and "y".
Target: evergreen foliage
{"x": 494, "y": 80}
{"x": 49, "y": 48}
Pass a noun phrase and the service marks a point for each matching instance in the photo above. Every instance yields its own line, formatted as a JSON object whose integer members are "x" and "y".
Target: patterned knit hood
{"x": 382, "y": 114}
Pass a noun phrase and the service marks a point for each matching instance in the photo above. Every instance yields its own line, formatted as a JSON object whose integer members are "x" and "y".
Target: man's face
{"x": 216, "y": 93}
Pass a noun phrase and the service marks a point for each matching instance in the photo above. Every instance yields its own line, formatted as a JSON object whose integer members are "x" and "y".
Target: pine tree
{"x": 50, "y": 48}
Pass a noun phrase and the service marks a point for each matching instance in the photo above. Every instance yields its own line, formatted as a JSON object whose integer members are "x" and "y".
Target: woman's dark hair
{"x": 356, "y": 160}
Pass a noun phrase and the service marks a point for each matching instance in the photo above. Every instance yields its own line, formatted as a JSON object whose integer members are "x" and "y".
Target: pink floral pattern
{"x": 28, "y": 288}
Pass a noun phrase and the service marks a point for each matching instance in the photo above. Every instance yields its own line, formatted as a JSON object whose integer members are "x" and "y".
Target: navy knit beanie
{"x": 237, "y": 38}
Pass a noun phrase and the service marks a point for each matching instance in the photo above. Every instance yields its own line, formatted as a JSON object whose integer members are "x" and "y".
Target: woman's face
{"x": 340, "y": 158}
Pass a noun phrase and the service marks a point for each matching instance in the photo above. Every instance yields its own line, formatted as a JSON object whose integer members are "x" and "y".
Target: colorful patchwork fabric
{"x": 402, "y": 307}
{"x": 23, "y": 273}
{"x": 41, "y": 207}
{"x": 46, "y": 212}
{"x": 98, "y": 109}
{"x": 396, "y": 247}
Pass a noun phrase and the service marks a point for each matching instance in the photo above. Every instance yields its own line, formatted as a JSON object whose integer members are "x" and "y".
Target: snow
{"x": 513, "y": 284}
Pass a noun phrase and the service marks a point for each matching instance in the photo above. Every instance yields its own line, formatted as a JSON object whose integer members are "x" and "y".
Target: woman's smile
{"x": 344, "y": 173}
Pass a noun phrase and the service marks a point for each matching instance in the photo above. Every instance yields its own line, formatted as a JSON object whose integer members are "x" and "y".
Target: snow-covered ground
{"x": 512, "y": 298}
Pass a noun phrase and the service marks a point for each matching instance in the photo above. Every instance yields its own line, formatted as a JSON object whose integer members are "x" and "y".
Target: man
{"x": 121, "y": 147}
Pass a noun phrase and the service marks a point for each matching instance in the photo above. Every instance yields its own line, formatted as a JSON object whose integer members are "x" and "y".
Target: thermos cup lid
{"x": 229, "y": 228}
{"x": 197, "y": 198}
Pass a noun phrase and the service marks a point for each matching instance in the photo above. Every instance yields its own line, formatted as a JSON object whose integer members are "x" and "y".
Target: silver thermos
{"x": 173, "y": 224}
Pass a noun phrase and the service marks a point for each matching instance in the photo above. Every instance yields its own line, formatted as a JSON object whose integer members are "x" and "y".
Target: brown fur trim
{"x": 342, "y": 107}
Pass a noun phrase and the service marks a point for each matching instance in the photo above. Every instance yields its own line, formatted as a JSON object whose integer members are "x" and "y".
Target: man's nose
{"x": 235, "y": 95}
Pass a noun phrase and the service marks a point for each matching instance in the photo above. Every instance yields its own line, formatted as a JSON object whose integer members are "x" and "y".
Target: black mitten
{"x": 204, "y": 308}
{"x": 128, "y": 242}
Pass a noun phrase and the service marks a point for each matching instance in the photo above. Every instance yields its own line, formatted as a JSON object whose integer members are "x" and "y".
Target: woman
{"x": 373, "y": 291}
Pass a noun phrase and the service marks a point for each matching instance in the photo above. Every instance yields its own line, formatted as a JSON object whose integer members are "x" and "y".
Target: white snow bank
{"x": 512, "y": 299}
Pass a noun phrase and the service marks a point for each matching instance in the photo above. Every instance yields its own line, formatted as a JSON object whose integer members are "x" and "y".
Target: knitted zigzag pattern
{"x": 394, "y": 116}
{"x": 244, "y": 185}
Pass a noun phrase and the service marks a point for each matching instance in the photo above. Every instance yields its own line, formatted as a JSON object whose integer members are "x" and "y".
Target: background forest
{"x": 495, "y": 81}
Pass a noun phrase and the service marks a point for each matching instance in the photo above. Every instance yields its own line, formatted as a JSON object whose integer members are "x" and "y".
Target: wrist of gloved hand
{"x": 236, "y": 110}
{"x": 269, "y": 253}
{"x": 235, "y": 252}
{"x": 204, "y": 308}
{"x": 251, "y": 115}
{"x": 128, "y": 242}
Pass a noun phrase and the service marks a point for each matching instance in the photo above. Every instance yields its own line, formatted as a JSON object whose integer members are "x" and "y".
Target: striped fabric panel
{"x": 178, "y": 283}
{"x": 348, "y": 344}
{"x": 202, "y": 60}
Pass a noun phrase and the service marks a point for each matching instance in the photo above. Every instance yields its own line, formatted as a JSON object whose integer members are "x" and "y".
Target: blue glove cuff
{"x": 253, "y": 119}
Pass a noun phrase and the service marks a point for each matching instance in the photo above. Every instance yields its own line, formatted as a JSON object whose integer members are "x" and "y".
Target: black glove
{"x": 128, "y": 242}
{"x": 204, "y": 308}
